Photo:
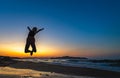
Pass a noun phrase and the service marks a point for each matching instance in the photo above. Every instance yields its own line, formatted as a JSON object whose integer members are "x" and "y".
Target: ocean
{"x": 87, "y": 63}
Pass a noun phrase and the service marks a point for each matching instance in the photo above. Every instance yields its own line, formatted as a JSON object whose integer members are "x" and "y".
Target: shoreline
{"x": 78, "y": 71}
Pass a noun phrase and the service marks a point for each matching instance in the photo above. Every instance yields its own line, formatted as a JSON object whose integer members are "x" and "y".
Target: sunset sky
{"x": 87, "y": 28}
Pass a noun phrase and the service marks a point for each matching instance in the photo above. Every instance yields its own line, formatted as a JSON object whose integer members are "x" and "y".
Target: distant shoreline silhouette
{"x": 30, "y": 41}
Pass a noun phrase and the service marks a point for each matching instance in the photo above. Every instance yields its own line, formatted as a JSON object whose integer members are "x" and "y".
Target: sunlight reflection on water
{"x": 8, "y": 72}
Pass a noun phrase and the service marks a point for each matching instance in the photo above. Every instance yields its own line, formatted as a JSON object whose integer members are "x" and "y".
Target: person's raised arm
{"x": 40, "y": 30}
{"x": 29, "y": 28}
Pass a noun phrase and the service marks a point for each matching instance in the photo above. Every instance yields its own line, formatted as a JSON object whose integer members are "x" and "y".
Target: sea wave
{"x": 78, "y": 63}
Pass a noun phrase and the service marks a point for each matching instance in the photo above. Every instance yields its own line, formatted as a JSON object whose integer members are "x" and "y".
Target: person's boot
{"x": 27, "y": 51}
{"x": 34, "y": 51}
{"x": 31, "y": 53}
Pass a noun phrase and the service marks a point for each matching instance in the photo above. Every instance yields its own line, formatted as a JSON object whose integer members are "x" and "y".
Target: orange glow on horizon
{"x": 18, "y": 51}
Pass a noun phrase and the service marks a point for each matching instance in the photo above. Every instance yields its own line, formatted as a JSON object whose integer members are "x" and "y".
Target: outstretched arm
{"x": 40, "y": 30}
{"x": 29, "y": 28}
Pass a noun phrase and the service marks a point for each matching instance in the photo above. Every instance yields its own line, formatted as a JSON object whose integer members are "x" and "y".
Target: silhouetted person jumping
{"x": 31, "y": 40}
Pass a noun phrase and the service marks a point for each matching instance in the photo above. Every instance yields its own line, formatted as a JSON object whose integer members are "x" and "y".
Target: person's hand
{"x": 28, "y": 28}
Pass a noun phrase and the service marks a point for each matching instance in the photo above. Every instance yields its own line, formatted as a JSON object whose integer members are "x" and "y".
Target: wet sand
{"x": 42, "y": 70}
{"x": 9, "y": 72}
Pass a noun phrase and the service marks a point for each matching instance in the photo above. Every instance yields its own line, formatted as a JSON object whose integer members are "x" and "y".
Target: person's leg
{"x": 33, "y": 47}
{"x": 27, "y": 47}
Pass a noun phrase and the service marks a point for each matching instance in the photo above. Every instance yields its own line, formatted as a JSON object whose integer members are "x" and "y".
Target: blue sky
{"x": 74, "y": 24}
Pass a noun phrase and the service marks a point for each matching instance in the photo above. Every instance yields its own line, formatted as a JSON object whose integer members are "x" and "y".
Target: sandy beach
{"x": 22, "y": 69}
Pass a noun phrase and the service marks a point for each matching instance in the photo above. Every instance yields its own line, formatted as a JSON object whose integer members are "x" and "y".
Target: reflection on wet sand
{"x": 8, "y": 72}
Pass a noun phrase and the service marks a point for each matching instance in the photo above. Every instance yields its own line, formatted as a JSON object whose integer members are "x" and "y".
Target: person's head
{"x": 34, "y": 29}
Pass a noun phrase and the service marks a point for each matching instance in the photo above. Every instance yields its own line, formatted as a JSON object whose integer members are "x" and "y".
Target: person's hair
{"x": 34, "y": 29}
